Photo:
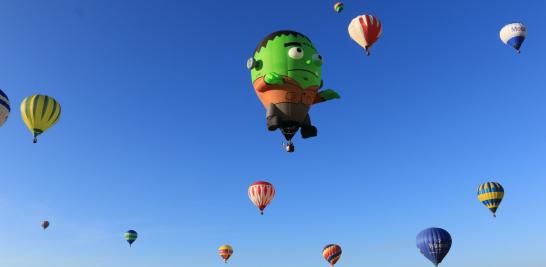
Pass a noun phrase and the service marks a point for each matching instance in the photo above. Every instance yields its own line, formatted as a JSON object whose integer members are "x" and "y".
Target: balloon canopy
{"x": 434, "y": 244}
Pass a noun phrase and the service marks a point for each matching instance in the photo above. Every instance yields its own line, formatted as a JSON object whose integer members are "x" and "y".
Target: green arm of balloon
{"x": 329, "y": 94}
{"x": 273, "y": 79}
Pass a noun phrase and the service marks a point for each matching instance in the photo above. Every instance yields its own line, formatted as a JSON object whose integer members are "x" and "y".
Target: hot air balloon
{"x": 261, "y": 193}
{"x": 434, "y": 244}
{"x": 365, "y": 30}
{"x": 40, "y": 112}
{"x": 4, "y": 107}
{"x": 513, "y": 35}
{"x": 491, "y": 194}
{"x": 331, "y": 253}
{"x": 286, "y": 73}
{"x": 131, "y": 236}
{"x": 45, "y": 224}
{"x": 225, "y": 252}
{"x": 338, "y": 7}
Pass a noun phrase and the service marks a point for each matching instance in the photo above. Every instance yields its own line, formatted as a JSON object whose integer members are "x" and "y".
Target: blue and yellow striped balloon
{"x": 4, "y": 107}
{"x": 40, "y": 112}
{"x": 491, "y": 194}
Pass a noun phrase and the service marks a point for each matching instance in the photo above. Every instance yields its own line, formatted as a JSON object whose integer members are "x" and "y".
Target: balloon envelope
{"x": 40, "y": 112}
{"x": 365, "y": 30}
{"x": 4, "y": 107}
{"x": 338, "y": 7}
{"x": 261, "y": 193}
{"x": 225, "y": 252}
{"x": 490, "y": 194}
{"x": 434, "y": 244}
{"x": 131, "y": 236}
{"x": 331, "y": 253}
{"x": 513, "y": 35}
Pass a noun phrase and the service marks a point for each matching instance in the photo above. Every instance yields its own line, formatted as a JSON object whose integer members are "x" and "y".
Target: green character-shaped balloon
{"x": 286, "y": 73}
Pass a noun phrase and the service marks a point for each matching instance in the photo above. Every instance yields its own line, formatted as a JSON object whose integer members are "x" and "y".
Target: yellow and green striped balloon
{"x": 40, "y": 112}
{"x": 491, "y": 194}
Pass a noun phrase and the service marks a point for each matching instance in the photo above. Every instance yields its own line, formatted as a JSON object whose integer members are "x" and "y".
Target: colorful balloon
{"x": 491, "y": 194}
{"x": 513, "y": 35}
{"x": 365, "y": 30}
{"x": 4, "y": 107}
{"x": 338, "y": 7}
{"x": 131, "y": 236}
{"x": 40, "y": 112}
{"x": 45, "y": 224}
{"x": 261, "y": 193}
{"x": 434, "y": 244}
{"x": 286, "y": 72}
{"x": 331, "y": 253}
{"x": 225, "y": 252}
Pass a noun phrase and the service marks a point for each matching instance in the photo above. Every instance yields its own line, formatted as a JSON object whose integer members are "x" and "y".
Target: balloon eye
{"x": 295, "y": 53}
{"x": 317, "y": 57}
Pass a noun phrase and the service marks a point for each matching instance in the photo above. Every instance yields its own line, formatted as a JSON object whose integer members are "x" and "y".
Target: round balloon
{"x": 225, "y": 252}
{"x": 331, "y": 253}
{"x": 513, "y": 35}
{"x": 261, "y": 193}
{"x": 40, "y": 112}
{"x": 4, "y": 107}
{"x": 365, "y": 30}
{"x": 434, "y": 244}
{"x": 45, "y": 224}
{"x": 338, "y": 7}
{"x": 491, "y": 194}
{"x": 131, "y": 236}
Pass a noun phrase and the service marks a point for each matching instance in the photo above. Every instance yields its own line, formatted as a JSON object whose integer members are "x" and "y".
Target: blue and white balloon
{"x": 4, "y": 107}
{"x": 513, "y": 35}
{"x": 434, "y": 244}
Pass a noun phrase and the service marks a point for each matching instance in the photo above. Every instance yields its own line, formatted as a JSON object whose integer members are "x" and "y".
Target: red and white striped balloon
{"x": 261, "y": 193}
{"x": 365, "y": 30}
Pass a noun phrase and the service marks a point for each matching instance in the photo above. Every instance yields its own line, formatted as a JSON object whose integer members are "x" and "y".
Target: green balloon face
{"x": 289, "y": 55}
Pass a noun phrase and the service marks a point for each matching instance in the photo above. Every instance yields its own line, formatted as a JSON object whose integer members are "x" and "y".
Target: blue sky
{"x": 161, "y": 132}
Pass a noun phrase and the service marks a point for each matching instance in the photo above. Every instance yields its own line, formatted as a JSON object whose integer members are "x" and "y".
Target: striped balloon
{"x": 365, "y": 30}
{"x": 225, "y": 252}
{"x": 491, "y": 194}
{"x": 513, "y": 35}
{"x": 40, "y": 112}
{"x": 131, "y": 236}
{"x": 261, "y": 193}
{"x": 338, "y": 7}
{"x": 4, "y": 107}
{"x": 434, "y": 244}
{"x": 331, "y": 253}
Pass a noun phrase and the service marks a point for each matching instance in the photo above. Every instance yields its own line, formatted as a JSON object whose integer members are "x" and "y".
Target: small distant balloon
{"x": 331, "y": 253}
{"x": 40, "y": 112}
{"x": 131, "y": 236}
{"x": 365, "y": 30}
{"x": 225, "y": 252}
{"x": 338, "y": 7}
{"x": 490, "y": 194}
{"x": 434, "y": 244}
{"x": 513, "y": 35}
{"x": 4, "y": 107}
{"x": 261, "y": 193}
{"x": 45, "y": 224}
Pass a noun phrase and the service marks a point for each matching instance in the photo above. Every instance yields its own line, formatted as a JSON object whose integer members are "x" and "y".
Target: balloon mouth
{"x": 304, "y": 70}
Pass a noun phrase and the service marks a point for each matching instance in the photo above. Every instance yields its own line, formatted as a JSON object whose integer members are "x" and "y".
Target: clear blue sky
{"x": 161, "y": 132}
